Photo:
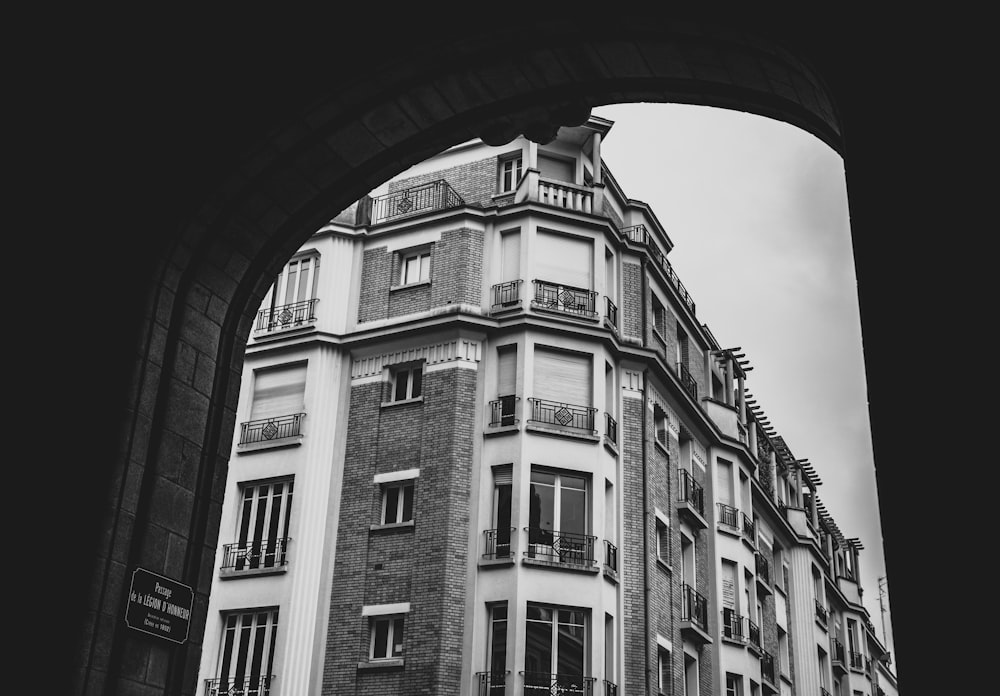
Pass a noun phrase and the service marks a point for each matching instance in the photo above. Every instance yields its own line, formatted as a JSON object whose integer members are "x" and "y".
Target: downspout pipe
{"x": 645, "y": 524}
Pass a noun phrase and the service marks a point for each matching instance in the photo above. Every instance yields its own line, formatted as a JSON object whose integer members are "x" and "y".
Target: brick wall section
{"x": 769, "y": 628}
{"x": 662, "y": 589}
{"x": 376, "y": 271}
{"x": 631, "y": 306}
{"x": 457, "y": 268}
{"x": 424, "y": 564}
{"x": 409, "y": 299}
{"x": 634, "y": 619}
{"x": 475, "y": 181}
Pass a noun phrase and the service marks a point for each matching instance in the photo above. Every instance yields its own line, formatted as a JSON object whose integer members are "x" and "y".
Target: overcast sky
{"x": 757, "y": 212}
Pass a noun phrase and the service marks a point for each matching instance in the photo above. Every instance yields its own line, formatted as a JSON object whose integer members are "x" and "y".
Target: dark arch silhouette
{"x": 230, "y": 153}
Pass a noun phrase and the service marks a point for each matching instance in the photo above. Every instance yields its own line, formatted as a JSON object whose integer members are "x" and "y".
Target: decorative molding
{"x": 698, "y": 454}
{"x": 632, "y": 384}
{"x": 460, "y": 351}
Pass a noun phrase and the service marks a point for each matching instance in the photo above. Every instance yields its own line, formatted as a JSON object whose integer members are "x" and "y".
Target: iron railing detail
{"x": 252, "y": 555}
{"x": 226, "y": 686}
{"x": 763, "y": 568}
{"x": 285, "y": 316}
{"x": 492, "y": 683}
{"x": 767, "y": 666}
{"x": 610, "y": 555}
{"x": 560, "y": 547}
{"x": 749, "y": 528}
{"x": 691, "y": 491}
{"x": 506, "y": 295}
{"x": 269, "y": 429}
{"x": 857, "y": 661}
{"x": 611, "y": 428}
{"x": 434, "y": 195}
{"x": 611, "y": 312}
{"x": 564, "y": 298}
{"x": 837, "y": 653}
{"x": 610, "y": 688}
{"x": 567, "y": 415}
{"x": 503, "y": 410}
{"x": 694, "y": 607}
{"x": 753, "y": 633}
{"x": 546, "y": 684}
{"x": 732, "y": 625}
{"x": 638, "y": 234}
{"x": 820, "y": 612}
{"x": 499, "y": 543}
{"x": 728, "y": 515}
{"x": 687, "y": 381}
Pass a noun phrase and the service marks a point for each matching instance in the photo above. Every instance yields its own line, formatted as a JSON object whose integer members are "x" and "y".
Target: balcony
{"x": 610, "y": 429}
{"x": 687, "y": 381}
{"x": 228, "y": 686}
{"x": 562, "y": 548}
{"x": 638, "y": 234}
{"x": 691, "y": 499}
{"x": 821, "y": 615}
{"x": 286, "y": 316}
{"x": 610, "y": 688}
{"x": 749, "y": 530}
{"x": 271, "y": 429}
{"x": 435, "y": 195}
{"x": 767, "y": 674}
{"x": 732, "y": 626}
{"x": 837, "y": 657}
{"x": 857, "y": 661}
{"x": 492, "y": 683}
{"x": 728, "y": 516}
{"x": 563, "y": 415}
{"x": 610, "y": 314}
{"x": 499, "y": 544}
{"x": 506, "y": 296}
{"x": 545, "y": 684}
{"x": 503, "y": 411}
{"x": 694, "y": 614}
{"x": 564, "y": 299}
{"x": 763, "y": 572}
{"x": 753, "y": 635}
{"x": 610, "y": 559}
{"x": 258, "y": 557}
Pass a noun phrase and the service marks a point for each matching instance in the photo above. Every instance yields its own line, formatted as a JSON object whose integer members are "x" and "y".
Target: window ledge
{"x": 731, "y": 531}
{"x": 550, "y": 429}
{"x": 610, "y": 446}
{"x": 402, "y": 402}
{"x": 573, "y": 567}
{"x": 592, "y": 318}
{"x": 660, "y": 446}
{"x": 393, "y": 664}
{"x": 748, "y": 542}
{"x": 611, "y": 574}
{"x": 821, "y": 625}
{"x": 491, "y": 430}
{"x": 293, "y": 441}
{"x": 496, "y": 562}
{"x": 233, "y": 574}
{"x": 664, "y": 565}
{"x": 418, "y": 284}
{"x": 391, "y": 527}
{"x": 733, "y": 641}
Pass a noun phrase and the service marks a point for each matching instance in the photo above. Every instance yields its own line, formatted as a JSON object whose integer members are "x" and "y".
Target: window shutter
{"x": 563, "y": 377}
{"x": 723, "y": 483}
{"x": 729, "y": 585}
{"x": 507, "y": 370}
{"x": 562, "y": 259}
{"x": 278, "y": 392}
{"x": 556, "y": 168}
{"x": 503, "y": 474}
{"x": 510, "y": 255}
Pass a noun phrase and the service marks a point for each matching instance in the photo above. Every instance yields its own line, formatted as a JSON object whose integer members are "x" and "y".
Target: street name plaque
{"x": 159, "y": 606}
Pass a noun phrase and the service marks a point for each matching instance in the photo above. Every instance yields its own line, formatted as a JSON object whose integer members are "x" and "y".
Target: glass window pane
{"x": 407, "y": 504}
{"x": 397, "y": 637}
{"x": 417, "y": 378}
{"x": 380, "y": 649}
{"x": 391, "y": 504}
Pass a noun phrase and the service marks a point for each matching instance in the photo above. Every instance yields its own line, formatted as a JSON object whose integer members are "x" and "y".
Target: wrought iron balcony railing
{"x": 857, "y": 661}
{"x": 286, "y": 316}
{"x": 268, "y": 429}
{"x": 732, "y": 625}
{"x": 546, "y": 684}
{"x": 837, "y": 654}
{"x": 499, "y": 543}
{"x": 564, "y": 298}
{"x": 610, "y": 555}
{"x": 503, "y": 411}
{"x": 254, "y": 555}
{"x": 687, "y": 381}
{"x": 434, "y": 195}
{"x": 492, "y": 683}
{"x": 228, "y": 686}
{"x": 749, "y": 528}
{"x": 611, "y": 312}
{"x": 823, "y": 691}
{"x": 694, "y": 607}
{"x": 506, "y": 295}
{"x": 690, "y": 491}
{"x": 767, "y": 666}
{"x": 566, "y": 415}
{"x": 763, "y": 568}
{"x": 611, "y": 428}
{"x": 610, "y": 688}
{"x": 821, "y": 613}
{"x": 638, "y": 234}
{"x": 560, "y": 547}
{"x": 728, "y": 515}
{"x": 753, "y": 633}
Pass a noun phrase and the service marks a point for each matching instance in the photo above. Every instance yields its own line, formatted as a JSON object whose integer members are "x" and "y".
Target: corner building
{"x": 487, "y": 447}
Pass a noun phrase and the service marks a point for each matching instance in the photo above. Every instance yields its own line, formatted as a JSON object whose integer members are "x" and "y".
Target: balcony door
{"x": 557, "y": 514}
{"x": 247, "y": 654}
{"x": 555, "y": 650}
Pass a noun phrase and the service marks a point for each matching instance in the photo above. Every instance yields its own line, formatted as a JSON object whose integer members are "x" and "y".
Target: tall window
{"x": 563, "y": 377}
{"x": 557, "y": 510}
{"x": 784, "y": 661}
{"x": 247, "y": 652}
{"x": 691, "y": 687}
{"x": 289, "y": 300}
{"x": 497, "y": 649}
{"x": 662, "y": 541}
{"x": 734, "y": 684}
{"x": 659, "y": 317}
{"x": 502, "y": 483}
{"x": 263, "y": 526}
{"x": 663, "y": 675}
{"x": 278, "y": 391}
{"x": 660, "y": 425}
{"x": 415, "y": 267}
{"x": 554, "y": 650}
{"x": 386, "y": 637}
{"x": 510, "y": 173}
{"x": 506, "y": 385}
{"x": 407, "y": 382}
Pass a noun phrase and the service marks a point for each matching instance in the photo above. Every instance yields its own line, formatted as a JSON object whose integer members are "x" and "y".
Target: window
{"x": 557, "y": 517}
{"x": 662, "y": 541}
{"x": 262, "y": 536}
{"x": 503, "y": 479}
{"x": 415, "y": 267}
{"x": 504, "y": 410}
{"x": 562, "y": 377}
{"x": 397, "y": 502}
{"x": 687, "y": 560}
{"x": 277, "y": 404}
{"x": 554, "y": 649}
{"x": 734, "y": 684}
{"x": 690, "y": 675}
{"x": 659, "y": 317}
{"x": 291, "y": 299}
{"x": 510, "y": 173}
{"x": 407, "y": 382}
{"x": 386, "y": 637}
{"x": 496, "y": 656}
{"x": 663, "y": 670}
{"x": 660, "y": 425}
{"x": 783, "y": 658}
{"x": 246, "y": 655}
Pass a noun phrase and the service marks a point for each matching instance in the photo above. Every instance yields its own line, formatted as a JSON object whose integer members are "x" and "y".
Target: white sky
{"x": 757, "y": 211}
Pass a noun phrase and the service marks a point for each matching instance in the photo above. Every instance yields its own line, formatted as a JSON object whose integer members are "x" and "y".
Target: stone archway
{"x": 165, "y": 489}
